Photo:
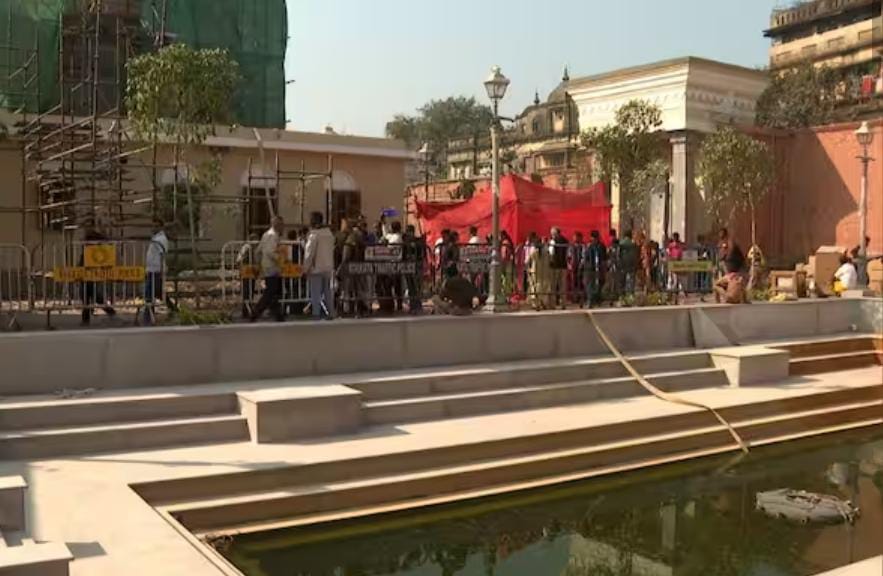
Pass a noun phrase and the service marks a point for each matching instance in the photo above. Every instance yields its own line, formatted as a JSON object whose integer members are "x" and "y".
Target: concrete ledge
{"x": 36, "y": 560}
{"x": 115, "y": 359}
{"x": 12, "y": 503}
{"x": 752, "y": 364}
{"x": 301, "y": 412}
{"x": 872, "y": 567}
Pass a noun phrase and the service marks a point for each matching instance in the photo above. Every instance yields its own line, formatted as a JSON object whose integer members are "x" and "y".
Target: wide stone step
{"x": 519, "y": 374}
{"x": 438, "y": 407}
{"x": 45, "y": 443}
{"x": 834, "y": 362}
{"x": 839, "y": 346}
{"x": 115, "y": 409}
{"x": 287, "y": 502}
{"x": 591, "y": 434}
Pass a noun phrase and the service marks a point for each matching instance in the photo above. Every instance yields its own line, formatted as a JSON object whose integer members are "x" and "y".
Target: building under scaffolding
{"x": 63, "y": 77}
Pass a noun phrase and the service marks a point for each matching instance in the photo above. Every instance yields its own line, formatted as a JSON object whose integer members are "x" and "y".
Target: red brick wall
{"x": 816, "y": 198}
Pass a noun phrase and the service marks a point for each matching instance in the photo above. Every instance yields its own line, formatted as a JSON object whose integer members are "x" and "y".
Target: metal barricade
{"x": 86, "y": 276}
{"x": 16, "y": 293}
{"x": 691, "y": 277}
{"x": 241, "y": 282}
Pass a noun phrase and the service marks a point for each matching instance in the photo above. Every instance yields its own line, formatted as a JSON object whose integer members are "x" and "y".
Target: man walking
{"x": 319, "y": 267}
{"x": 155, "y": 266}
{"x": 271, "y": 270}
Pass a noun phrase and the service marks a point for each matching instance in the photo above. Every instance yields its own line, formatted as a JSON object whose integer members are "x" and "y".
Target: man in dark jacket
{"x": 558, "y": 250}
{"x": 594, "y": 264}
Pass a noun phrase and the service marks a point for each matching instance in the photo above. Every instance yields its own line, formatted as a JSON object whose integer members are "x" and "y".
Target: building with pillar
{"x": 695, "y": 96}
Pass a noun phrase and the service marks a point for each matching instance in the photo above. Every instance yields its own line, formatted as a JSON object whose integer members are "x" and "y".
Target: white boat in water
{"x": 805, "y": 507}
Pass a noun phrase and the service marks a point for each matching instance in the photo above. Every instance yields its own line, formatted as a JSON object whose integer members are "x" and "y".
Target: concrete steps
{"x": 834, "y": 355}
{"x": 835, "y": 362}
{"x": 348, "y": 488}
{"x": 518, "y": 374}
{"x": 57, "y": 413}
{"x": 116, "y": 437}
{"x": 484, "y": 401}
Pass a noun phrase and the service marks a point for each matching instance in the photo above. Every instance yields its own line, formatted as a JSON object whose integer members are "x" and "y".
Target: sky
{"x": 357, "y": 63}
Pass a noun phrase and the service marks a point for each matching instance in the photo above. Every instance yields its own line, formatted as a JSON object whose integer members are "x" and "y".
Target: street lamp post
{"x": 496, "y": 86}
{"x": 865, "y": 137}
{"x": 424, "y": 155}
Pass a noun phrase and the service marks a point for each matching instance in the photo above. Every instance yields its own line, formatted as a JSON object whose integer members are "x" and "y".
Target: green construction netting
{"x": 255, "y": 32}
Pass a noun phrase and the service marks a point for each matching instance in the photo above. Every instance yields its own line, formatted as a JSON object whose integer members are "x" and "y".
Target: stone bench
{"x": 12, "y": 503}
{"x": 298, "y": 412}
{"x": 747, "y": 365}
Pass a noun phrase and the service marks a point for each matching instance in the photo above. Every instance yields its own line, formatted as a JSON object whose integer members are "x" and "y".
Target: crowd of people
{"x": 548, "y": 272}
{"x": 329, "y": 276}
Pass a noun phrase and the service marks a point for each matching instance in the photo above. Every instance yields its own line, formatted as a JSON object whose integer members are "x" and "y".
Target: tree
{"x": 629, "y": 153}
{"x": 735, "y": 171}
{"x": 440, "y": 121}
{"x": 798, "y": 98}
{"x": 179, "y": 94}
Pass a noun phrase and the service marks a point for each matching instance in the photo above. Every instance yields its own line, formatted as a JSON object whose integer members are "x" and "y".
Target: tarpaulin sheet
{"x": 525, "y": 207}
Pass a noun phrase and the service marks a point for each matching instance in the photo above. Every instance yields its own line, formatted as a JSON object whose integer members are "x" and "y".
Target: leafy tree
{"x": 736, "y": 171}
{"x": 440, "y": 121}
{"x": 800, "y": 97}
{"x": 629, "y": 152}
{"x": 179, "y": 94}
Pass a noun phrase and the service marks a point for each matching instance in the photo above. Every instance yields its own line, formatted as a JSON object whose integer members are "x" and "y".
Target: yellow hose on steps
{"x": 661, "y": 394}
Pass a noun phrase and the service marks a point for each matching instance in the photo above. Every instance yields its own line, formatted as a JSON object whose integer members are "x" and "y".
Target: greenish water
{"x": 697, "y": 519}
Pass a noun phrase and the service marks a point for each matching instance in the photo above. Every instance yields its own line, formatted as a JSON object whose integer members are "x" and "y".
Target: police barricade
{"x": 689, "y": 276}
{"x": 16, "y": 293}
{"x": 387, "y": 276}
{"x": 86, "y": 276}
{"x": 241, "y": 284}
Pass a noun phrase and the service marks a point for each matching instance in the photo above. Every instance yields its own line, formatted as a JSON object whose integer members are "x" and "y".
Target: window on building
{"x": 346, "y": 198}
{"x": 836, "y": 43}
{"x": 809, "y": 50}
{"x": 257, "y": 211}
{"x": 345, "y": 204}
{"x": 865, "y": 36}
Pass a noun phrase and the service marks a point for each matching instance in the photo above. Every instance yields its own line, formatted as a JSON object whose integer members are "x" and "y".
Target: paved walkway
{"x": 86, "y": 502}
{"x": 872, "y": 567}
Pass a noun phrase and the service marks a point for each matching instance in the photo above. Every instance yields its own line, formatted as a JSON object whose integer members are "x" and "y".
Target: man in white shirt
{"x": 271, "y": 270}
{"x": 319, "y": 266}
{"x": 155, "y": 267}
{"x": 846, "y": 275}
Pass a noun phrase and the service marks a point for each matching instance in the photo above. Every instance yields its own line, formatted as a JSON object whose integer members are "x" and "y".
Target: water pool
{"x": 695, "y": 519}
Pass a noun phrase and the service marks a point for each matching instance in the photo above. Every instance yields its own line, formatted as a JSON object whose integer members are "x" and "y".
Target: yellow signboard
{"x": 685, "y": 266}
{"x": 100, "y": 256}
{"x": 289, "y": 270}
{"x": 114, "y": 274}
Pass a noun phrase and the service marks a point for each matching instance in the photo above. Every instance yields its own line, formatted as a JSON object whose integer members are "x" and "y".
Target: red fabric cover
{"x": 525, "y": 207}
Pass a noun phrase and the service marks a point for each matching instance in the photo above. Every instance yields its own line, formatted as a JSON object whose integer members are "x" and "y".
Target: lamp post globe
{"x": 864, "y": 135}
{"x": 496, "y": 86}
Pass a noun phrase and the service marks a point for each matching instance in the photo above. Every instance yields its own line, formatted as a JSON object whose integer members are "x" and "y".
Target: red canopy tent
{"x": 525, "y": 207}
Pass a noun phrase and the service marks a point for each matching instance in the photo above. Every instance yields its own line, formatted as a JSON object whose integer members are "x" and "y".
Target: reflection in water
{"x": 694, "y": 520}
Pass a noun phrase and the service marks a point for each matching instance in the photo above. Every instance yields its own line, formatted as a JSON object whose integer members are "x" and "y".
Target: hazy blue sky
{"x": 356, "y": 63}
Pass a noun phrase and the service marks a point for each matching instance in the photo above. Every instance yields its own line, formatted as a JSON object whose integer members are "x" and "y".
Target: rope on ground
{"x": 661, "y": 394}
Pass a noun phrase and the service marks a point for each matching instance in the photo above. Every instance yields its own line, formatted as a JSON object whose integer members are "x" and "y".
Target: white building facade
{"x": 696, "y": 96}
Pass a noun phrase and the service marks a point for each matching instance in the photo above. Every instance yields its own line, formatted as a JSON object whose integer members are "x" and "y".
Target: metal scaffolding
{"x": 81, "y": 168}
